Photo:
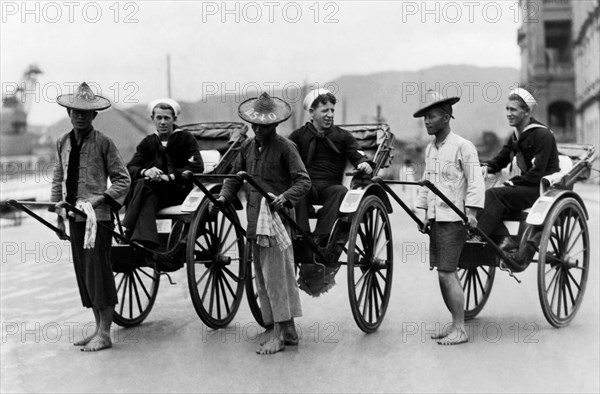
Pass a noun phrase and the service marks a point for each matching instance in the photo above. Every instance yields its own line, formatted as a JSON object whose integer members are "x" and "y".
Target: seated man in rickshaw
{"x": 156, "y": 172}
{"x": 325, "y": 149}
{"x": 535, "y": 148}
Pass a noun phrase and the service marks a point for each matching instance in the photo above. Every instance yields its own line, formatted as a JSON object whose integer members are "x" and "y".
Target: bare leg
{"x": 447, "y": 302}
{"x": 276, "y": 342}
{"x": 88, "y": 338}
{"x": 289, "y": 333}
{"x": 454, "y": 298}
{"x": 102, "y": 338}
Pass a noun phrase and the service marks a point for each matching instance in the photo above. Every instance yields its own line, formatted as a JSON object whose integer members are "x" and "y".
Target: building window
{"x": 561, "y": 119}
{"x": 557, "y": 42}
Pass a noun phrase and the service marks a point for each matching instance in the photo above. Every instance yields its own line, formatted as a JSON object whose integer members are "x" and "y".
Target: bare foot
{"x": 454, "y": 337}
{"x": 272, "y": 346}
{"x": 85, "y": 340}
{"x": 441, "y": 335}
{"x": 290, "y": 336}
{"x": 99, "y": 342}
{"x": 266, "y": 336}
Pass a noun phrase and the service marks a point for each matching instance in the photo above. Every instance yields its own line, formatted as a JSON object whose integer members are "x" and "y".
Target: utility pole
{"x": 169, "y": 76}
{"x": 379, "y": 118}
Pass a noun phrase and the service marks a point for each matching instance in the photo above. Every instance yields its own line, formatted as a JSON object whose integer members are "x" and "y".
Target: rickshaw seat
{"x": 517, "y": 216}
{"x": 210, "y": 158}
{"x": 169, "y": 212}
{"x": 565, "y": 164}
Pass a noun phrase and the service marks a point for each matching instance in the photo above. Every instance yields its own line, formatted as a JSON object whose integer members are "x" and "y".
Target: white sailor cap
{"x": 312, "y": 96}
{"x": 170, "y": 102}
{"x": 526, "y": 96}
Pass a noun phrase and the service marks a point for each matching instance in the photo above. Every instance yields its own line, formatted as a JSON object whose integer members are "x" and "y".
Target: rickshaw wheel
{"x": 370, "y": 263}
{"x": 215, "y": 270}
{"x": 251, "y": 292}
{"x": 477, "y": 284}
{"x": 563, "y": 263}
{"x": 136, "y": 291}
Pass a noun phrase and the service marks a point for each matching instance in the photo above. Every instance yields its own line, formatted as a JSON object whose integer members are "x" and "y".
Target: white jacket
{"x": 453, "y": 167}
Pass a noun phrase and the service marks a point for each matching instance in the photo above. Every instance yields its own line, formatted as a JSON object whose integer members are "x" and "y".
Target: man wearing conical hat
{"x": 325, "y": 150}
{"x": 274, "y": 163}
{"x": 156, "y": 172}
{"x": 86, "y": 160}
{"x": 534, "y": 147}
{"x": 452, "y": 165}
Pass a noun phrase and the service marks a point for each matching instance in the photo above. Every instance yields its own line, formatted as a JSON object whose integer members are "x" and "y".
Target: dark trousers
{"x": 500, "y": 201}
{"x": 330, "y": 196}
{"x": 145, "y": 199}
{"x": 92, "y": 266}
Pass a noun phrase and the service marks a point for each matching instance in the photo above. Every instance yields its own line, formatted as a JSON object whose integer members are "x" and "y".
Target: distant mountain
{"x": 483, "y": 92}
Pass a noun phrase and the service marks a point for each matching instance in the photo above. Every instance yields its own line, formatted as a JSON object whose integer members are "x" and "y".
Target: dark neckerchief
{"x": 318, "y": 136}
{"x": 521, "y": 163}
{"x": 73, "y": 169}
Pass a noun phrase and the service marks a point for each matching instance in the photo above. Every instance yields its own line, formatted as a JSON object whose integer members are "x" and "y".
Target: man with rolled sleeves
{"x": 86, "y": 159}
{"x": 452, "y": 165}
{"x": 274, "y": 163}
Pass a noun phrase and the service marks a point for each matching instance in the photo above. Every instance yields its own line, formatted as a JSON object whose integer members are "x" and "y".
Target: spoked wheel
{"x": 477, "y": 284}
{"x": 215, "y": 270}
{"x": 137, "y": 289}
{"x": 563, "y": 263}
{"x": 251, "y": 289}
{"x": 370, "y": 264}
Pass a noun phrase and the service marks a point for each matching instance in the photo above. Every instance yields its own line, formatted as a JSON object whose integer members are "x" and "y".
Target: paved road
{"x": 512, "y": 347}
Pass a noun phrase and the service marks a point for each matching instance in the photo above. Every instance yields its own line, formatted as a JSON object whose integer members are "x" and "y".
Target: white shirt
{"x": 453, "y": 167}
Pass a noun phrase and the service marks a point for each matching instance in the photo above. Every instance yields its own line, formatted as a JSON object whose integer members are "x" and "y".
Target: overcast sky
{"x": 215, "y": 46}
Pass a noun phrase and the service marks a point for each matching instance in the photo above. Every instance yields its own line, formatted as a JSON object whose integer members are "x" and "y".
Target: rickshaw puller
{"x": 452, "y": 165}
{"x": 86, "y": 159}
{"x": 274, "y": 163}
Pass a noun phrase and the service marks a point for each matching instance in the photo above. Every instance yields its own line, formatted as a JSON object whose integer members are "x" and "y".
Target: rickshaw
{"x": 364, "y": 221}
{"x": 210, "y": 248}
{"x": 559, "y": 220}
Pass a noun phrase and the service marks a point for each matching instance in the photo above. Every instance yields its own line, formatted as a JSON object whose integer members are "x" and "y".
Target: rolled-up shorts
{"x": 446, "y": 241}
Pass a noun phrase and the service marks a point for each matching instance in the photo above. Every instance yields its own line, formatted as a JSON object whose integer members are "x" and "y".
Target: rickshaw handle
{"x": 19, "y": 205}
{"x": 501, "y": 253}
{"x": 379, "y": 180}
{"x": 248, "y": 178}
{"x": 75, "y": 210}
{"x": 51, "y": 206}
{"x": 209, "y": 195}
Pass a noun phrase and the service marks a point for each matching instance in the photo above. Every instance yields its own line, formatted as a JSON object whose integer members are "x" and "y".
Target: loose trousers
{"x": 276, "y": 283}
